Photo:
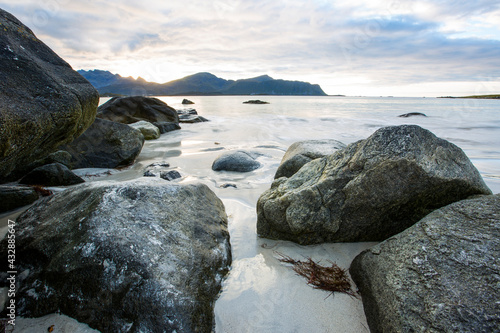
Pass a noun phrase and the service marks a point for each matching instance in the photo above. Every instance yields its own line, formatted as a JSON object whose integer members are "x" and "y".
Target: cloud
{"x": 402, "y": 41}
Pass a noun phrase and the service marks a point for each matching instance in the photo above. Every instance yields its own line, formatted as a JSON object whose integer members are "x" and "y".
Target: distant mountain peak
{"x": 202, "y": 83}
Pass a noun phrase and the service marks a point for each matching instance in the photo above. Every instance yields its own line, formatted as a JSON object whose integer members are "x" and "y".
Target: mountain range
{"x": 198, "y": 84}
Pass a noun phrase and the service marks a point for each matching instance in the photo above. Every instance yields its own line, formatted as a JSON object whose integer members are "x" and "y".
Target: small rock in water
{"x": 187, "y": 101}
{"x": 226, "y": 185}
{"x": 239, "y": 161}
{"x": 411, "y": 114}
{"x": 255, "y": 101}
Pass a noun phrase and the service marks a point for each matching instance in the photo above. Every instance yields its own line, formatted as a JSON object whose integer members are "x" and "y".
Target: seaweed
{"x": 330, "y": 278}
{"x": 42, "y": 191}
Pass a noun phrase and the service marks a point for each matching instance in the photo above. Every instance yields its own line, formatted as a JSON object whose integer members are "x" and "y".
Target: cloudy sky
{"x": 352, "y": 47}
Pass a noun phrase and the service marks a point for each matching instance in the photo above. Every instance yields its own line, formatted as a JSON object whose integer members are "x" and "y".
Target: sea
{"x": 261, "y": 294}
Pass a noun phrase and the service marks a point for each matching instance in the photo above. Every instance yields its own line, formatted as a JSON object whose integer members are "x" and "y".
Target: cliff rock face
{"x": 440, "y": 275}
{"x": 43, "y": 102}
{"x": 370, "y": 190}
{"x": 137, "y": 256}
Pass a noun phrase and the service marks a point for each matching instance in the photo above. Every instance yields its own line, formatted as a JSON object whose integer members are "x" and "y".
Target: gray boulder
{"x": 128, "y": 110}
{"x": 303, "y": 152}
{"x": 44, "y": 102}
{"x": 440, "y": 275}
{"x": 12, "y": 197}
{"x": 150, "y": 131}
{"x": 55, "y": 174}
{"x": 106, "y": 144}
{"x": 239, "y": 161}
{"x": 187, "y": 101}
{"x": 370, "y": 190}
{"x": 138, "y": 256}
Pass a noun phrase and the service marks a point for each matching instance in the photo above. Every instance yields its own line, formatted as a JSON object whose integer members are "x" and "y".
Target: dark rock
{"x": 170, "y": 175}
{"x": 411, "y": 114}
{"x": 155, "y": 169}
{"x": 106, "y": 144}
{"x": 44, "y": 102}
{"x": 370, "y": 190}
{"x": 150, "y": 131}
{"x": 239, "y": 161}
{"x": 255, "y": 101}
{"x": 190, "y": 116}
{"x": 60, "y": 156}
{"x": 55, "y": 174}
{"x": 303, "y": 152}
{"x": 227, "y": 185}
{"x": 187, "y": 101}
{"x": 166, "y": 126}
{"x": 128, "y": 110}
{"x": 135, "y": 256}
{"x": 191, "y": 119}
{"x": 12, "y": 197}
{"x": 440, "y": 275}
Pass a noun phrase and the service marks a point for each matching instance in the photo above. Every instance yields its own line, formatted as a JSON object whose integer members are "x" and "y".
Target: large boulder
{"x": 303, "y": 152}
{"x": 44, "y": 103}
{"x": 239, "y": 161}
{"x": 440, "y": 275}
{"x": 55, "y": 174}
{"x": 137, "y": 256}
{"x": 370, "y": 190}
{"x": 106, "y": 144}
{"x": 128, "y": 110}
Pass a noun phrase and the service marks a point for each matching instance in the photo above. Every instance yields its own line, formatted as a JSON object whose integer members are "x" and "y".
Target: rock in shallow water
{"x": 128, "y": 110}
{"x": 138, "y": 256}
{"x": 440, "y": 275}
{"x": 44, "y": 102}
{"x": 239, "y": 161}
{"x": 370, "y": 190}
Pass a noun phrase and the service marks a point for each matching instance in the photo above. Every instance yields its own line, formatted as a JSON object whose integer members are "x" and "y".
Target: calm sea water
{"x": 473, "y": 125}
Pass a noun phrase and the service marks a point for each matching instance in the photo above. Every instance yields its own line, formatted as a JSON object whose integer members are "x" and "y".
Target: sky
{"x": 355, "y": 47}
